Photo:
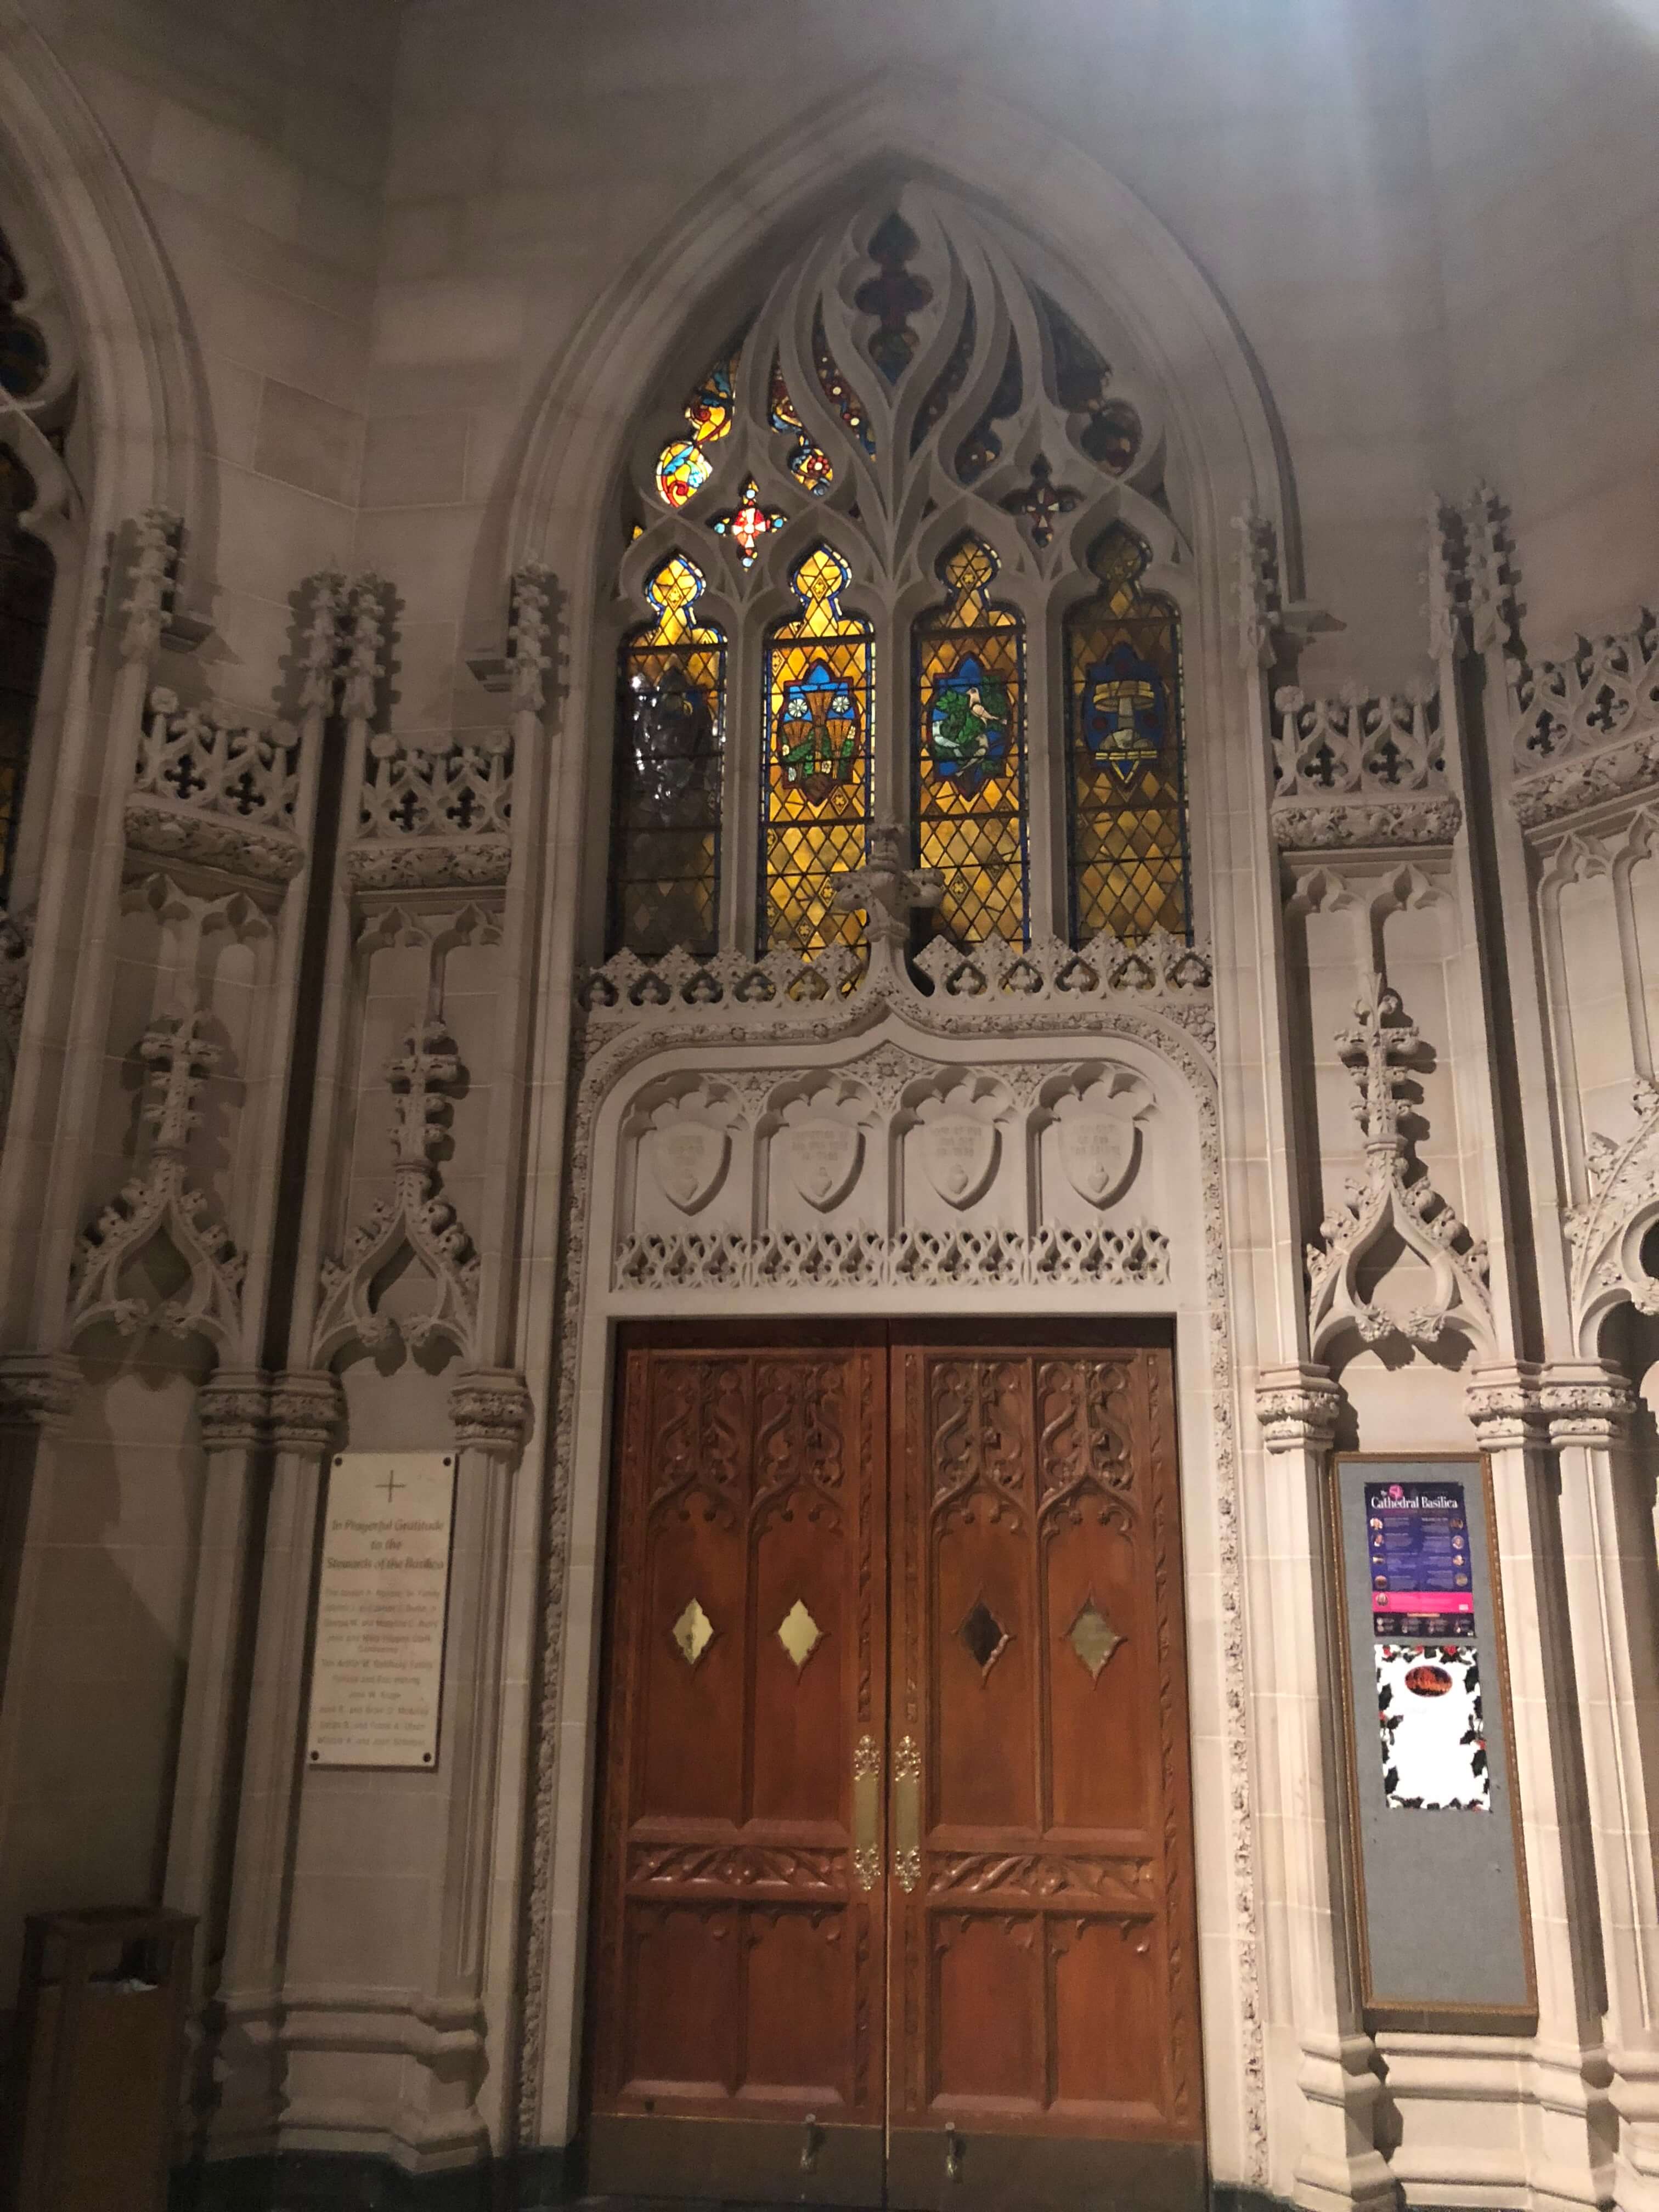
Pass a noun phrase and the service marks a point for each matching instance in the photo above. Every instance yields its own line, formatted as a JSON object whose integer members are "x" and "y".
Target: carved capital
{"x": 233, "y": 1409}
{"x": 492, "y": 1411}
{"x": 1297, "y": 1408}
{"x": 36, "y": 1389}
{"x": 306, "y": 1408}
{"x": 1502, "y": 1403}
{"x": 1587, "y": 1402}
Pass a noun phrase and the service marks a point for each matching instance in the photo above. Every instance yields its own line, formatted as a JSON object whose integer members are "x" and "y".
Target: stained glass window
{"x": 969, "y": 751}
{"x": 665, "y": 804}
{"x": 1126, "y": 772}
{"x": 837, "y": 390}
{"x": 683, "y": 467}
{"x": 808, "y": 463}
{"x": 816, "y": 809}
{"x": 748, "y": 523}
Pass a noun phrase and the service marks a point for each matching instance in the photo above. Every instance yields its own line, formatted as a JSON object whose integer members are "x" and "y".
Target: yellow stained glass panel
{"x": 817, "y": 801}
{"x": 665, "y": 801}
{"x": 1126, "y": 771}
{"x": 969, "y": 752}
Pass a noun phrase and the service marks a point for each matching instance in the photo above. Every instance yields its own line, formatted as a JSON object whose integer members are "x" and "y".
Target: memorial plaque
{"x": 377, "y": 1666}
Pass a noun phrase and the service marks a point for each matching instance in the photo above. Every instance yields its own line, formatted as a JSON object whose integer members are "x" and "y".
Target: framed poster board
{"x": 1444, "y": 1933}
{"x": 377, "y": 1659}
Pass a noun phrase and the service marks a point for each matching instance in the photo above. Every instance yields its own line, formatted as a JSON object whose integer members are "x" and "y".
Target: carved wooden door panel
{"x": 1043, "y": 2007}
{"x": 737, "y": 2011}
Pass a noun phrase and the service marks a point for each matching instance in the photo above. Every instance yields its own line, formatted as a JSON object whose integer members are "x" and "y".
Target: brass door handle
{"x": 866, "y": 1812}
{"x": 907, "y": 1813}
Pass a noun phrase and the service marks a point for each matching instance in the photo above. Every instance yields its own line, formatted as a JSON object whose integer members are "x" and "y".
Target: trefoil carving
{"x": 1397, "y": 1196}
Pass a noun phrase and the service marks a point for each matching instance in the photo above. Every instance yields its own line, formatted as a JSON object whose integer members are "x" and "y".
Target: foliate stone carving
{"x": 1590, "y": 1403}
{"x": 1587, "y": 780}
{"x": 1502, "y": 1405}
{"x": 1135, "y": 1257}
{"x": 213, "y": 786}
{"x": 1297, "y": 1408}
{"x": 957, "y": 1140}
{"x": 1396, "y": 1195}
{"x": 492, "y": 1411}
{"x": 1343, "y": 824}
{"x": 306, "y": 1408}
{"x": 233, "y": 1409}
{"x": 1098, "y": 1133}
{"x": 416, "y": 1216}
{"x": 1163, "y": 974}
{"x": 1606, "y": 1230}
{"x": 887, "y": 890}
{"x": 428, "y": 864}
{"x": 38, "y": 1389}
{"x": 162, "y": 1201}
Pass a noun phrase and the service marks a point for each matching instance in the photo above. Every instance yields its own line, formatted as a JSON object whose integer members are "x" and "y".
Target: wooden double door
{"x": 894, "y": 1885}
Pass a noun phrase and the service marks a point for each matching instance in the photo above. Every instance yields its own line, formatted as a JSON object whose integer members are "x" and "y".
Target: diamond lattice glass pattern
{"x": 666, "y": 802}
{"x": 817, "y": 794}
{"x": 967, "y": 752}
{"x": 1126, "y": 771}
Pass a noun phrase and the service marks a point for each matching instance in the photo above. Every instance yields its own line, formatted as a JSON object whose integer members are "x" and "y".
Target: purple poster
{"x": 1418, "y": 1545}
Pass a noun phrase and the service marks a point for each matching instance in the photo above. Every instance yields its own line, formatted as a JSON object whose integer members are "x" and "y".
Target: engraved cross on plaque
{"x": 391, "y": 1484}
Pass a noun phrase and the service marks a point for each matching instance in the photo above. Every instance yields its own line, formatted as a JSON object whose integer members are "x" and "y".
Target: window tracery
{"x": 907, "y": 408}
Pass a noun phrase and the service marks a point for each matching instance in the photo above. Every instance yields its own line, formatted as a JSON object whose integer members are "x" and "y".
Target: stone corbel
{"x": 1395, "y": 1196}
{"x": 415, "y": 1216}
{"x": 1606, "y": 1230}
{"x": 233, "y": 1410}
{"x": 1502, "y": 1402}
{"x": 160, "y": 1201}
{"x": 1297, "y": 1408}
{"x": 492, "y": 1411}
{"x": 1588, "y": 1402}
{"x": 307, "y": 1409}
{"x": 38, "y": 1389}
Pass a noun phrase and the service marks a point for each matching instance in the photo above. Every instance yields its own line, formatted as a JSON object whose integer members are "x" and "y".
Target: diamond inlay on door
{"x": 984, "y": 1636}
{"x": 694, "y": 1632}
{"x": 799, "y": 1634}
{"x": 1093, "y": 1638}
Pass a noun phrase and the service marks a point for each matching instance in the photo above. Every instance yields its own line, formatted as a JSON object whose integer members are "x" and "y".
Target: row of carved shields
{"x": 957, "y": 1148}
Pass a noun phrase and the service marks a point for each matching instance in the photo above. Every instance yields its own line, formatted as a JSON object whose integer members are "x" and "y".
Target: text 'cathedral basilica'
{"x": 830, "y": 1163}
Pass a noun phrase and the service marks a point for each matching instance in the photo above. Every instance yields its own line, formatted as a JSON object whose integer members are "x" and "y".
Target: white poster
{"x": 377, "y": 1667}
{"x": 1434, "y": 1739}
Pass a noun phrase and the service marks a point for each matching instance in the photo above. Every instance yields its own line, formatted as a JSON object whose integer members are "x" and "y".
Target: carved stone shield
{"x": 690, "y": 1160}
{"x": 1097, "y": 1151}
{"x": 824, "y": 1158}
{"x": 959, "y": 1155}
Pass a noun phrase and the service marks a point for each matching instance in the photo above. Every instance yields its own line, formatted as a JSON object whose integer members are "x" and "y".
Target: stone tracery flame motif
{"x": 1397, "y": 1196}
